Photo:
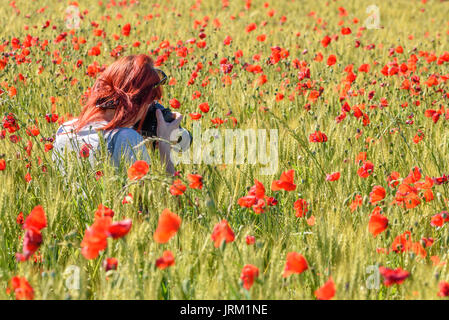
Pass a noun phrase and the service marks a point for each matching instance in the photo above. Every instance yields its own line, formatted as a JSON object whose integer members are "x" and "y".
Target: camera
{"x": 149, "y": 126}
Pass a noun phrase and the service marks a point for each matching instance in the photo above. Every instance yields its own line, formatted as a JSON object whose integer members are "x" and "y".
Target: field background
{"x": 337, "y": 245}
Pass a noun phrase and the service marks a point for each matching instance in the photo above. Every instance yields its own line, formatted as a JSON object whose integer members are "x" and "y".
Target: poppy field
{"x": 357, "y": 208}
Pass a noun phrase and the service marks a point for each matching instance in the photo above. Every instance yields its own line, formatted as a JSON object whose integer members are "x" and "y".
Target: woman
{"x": 117, "y": 102}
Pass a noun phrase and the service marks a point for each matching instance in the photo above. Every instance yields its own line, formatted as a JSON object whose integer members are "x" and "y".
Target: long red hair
{"x": 128, "y": 85}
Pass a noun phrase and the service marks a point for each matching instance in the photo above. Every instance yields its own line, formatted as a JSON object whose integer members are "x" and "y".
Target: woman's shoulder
{"x": 123, "y": 131}
{"x": 128, "y": 142}
{"x": 66, "y": 126}
{"x": 129, "y": 134}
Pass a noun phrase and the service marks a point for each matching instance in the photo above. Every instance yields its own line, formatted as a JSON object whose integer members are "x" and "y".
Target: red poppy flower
{"x": 36, "y": 220}
{"x": 119, "y": 229}
{"x": 9, "y": 122}
{"x": 85, "y": 151}
{"x": 31, "y": 243}
{"x": 414, "y": 176}
{"x": 345, "y": 31}
{"x": 333, "y": 176}
{"x": 366, "y": 170}
{"x": 174, "y": 103}
{"x": 19, "y": 219}
{"x": 296, "y": 264}
{"x": 407, "y": 196}
{"x": 285, "y": 182}
{"x": 110, "y": 264}
{"x": 261, "y": 80}
{"x": 439, "y": 219}
{"x": 357, "y": 202}
{"x": 227, "y": 40}
{"x": 48, "y": 147}
{"x": 126, "y": 30}
{"x": 377, "y": 224}
{"x": 21, "y": 288}
{"x": 138, "y": 170}
{"x": 222, "y": 233}
{"x": 94, "y": 51}
{"x": 317, "y": 136}
{"x": 393, "y": 179}
{"x": 195, "y": 181}
{"x": 250, "y": 240}
{"x": 261, "y": 37}
{"x": 326, "y": 40}
{"x": 301, "y": 208}
{"x": 177, "y": 188}
{"x": 95, "y": 237}
{"x": 444, "y": 289}
{"x": 404, "y": 243}
{"x": 327, "y": 291}
{"x": 33, "y": 131}
{"x": 256, "y": 198}
{"x": 168, "y": 225}
{"x": 249, "y": 274}
{"x": 204, "y": 107}
{"x": 166, "y": 260}
{"x": 393, "y": 276}
{"x": 250, "y": 27}
{"x": 28, "y": 177}
{"x": 12, "y": 91}
{"x": 195, "y": 116}
{"x": 98, "y": 175}
{"x": 128, "y": 199}
{"x": 103, "y": 211}
{"x": 377, "y": 194}
{"x": 331, "y": 60}
{"x": 364, "y": 68}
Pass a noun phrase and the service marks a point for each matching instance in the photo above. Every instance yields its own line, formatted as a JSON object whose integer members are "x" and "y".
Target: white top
{"x": 121, "y": 143}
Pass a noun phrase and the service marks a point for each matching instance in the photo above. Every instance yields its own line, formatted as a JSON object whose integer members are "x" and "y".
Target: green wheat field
{"x": 357, "y": 91}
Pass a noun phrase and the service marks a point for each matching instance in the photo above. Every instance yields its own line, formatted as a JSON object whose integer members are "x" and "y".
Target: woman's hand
{"x": 165, "y": 131}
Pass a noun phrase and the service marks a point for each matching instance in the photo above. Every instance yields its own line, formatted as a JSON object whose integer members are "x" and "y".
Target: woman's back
{"x": 120, "y": 142}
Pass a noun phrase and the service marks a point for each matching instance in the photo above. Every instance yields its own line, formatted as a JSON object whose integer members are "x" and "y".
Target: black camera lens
{"x": 149, "y": 126}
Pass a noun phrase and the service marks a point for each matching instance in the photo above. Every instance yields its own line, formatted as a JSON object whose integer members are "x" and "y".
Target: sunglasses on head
{"x": 162, "y": 77}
